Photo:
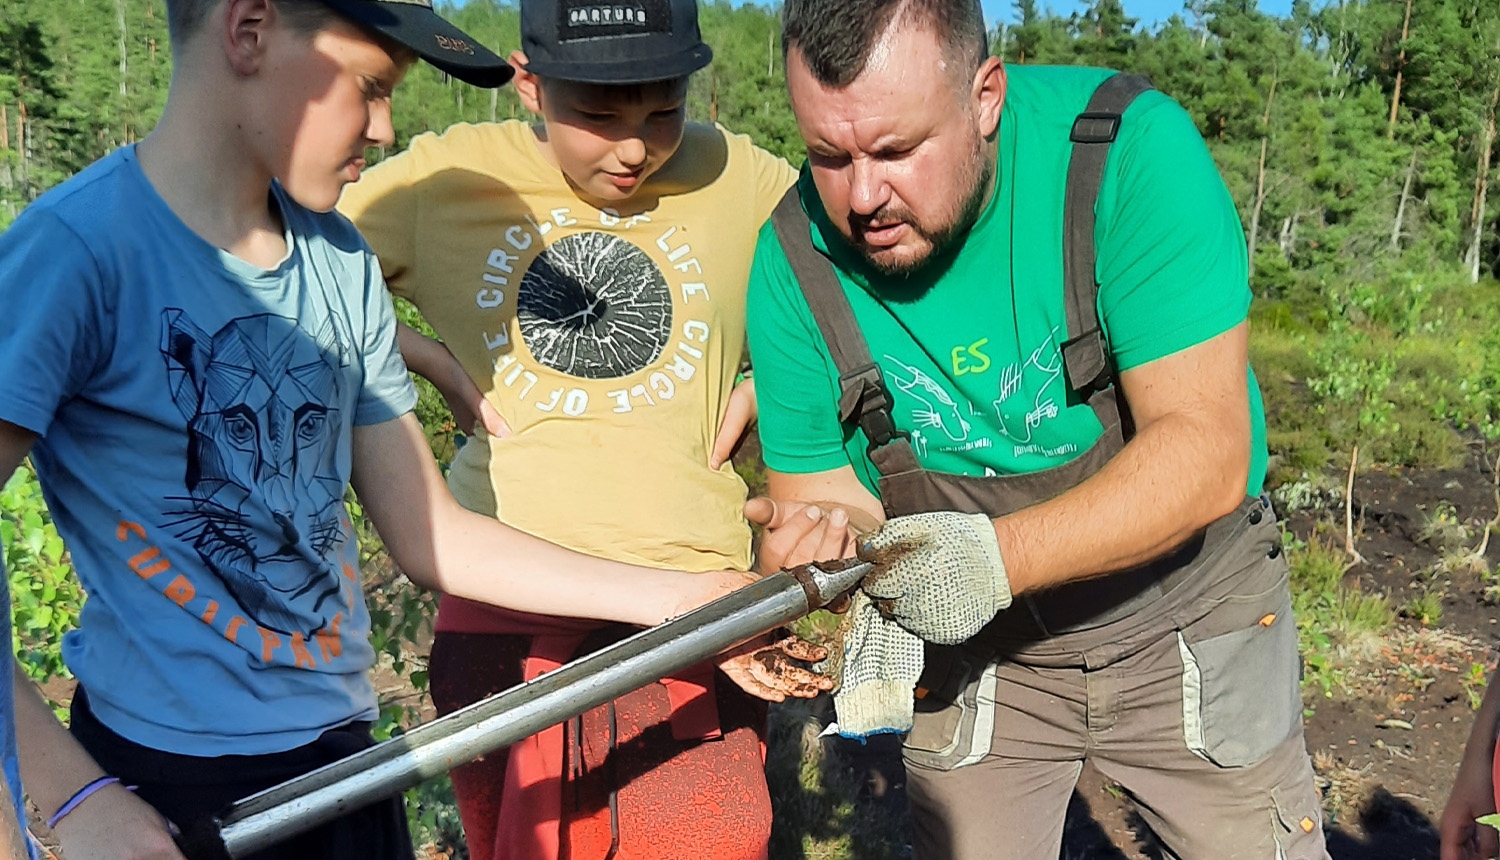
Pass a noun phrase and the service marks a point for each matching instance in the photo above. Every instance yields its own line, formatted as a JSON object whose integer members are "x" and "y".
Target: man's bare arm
{"x": 442, "y": 546}
{"x": 1186, "y": 467}
{"x": 113, "y": 823}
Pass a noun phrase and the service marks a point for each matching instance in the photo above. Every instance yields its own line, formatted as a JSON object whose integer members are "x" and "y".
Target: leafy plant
{"x": 1337, "y": 622}
{"x": 45, "y": 596}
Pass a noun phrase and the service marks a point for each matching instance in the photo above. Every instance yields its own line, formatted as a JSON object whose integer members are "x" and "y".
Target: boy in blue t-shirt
{"x": 200, "y": 359}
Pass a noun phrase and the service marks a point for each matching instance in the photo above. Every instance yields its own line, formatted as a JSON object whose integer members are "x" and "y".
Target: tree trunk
{"x": 1260, "y": 200}
{"x": 494, "y": 104}
{"x": 124, "y": 71}
{"x": 23, "y": 146}
{"x": 1482, "y": 186}
{"x": 124, "y": 54}
{"x": 1390, "y": 131}
{"x": 1288, "y": 238}
{"x": 713, "y": 97}
{"x": 1260, "y": 175}
{"x": 1401, "y": 206}
{"x": 1479, "y": 198}
{"x": 4, "y": 127}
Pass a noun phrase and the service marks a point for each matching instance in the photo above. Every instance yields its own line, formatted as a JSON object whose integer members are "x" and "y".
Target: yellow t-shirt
{"x": 609, "y": 340}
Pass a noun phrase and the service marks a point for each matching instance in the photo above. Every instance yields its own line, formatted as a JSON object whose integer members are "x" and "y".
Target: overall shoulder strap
{"x": 1085, "y": 354}
{"x": 863, "y": 396}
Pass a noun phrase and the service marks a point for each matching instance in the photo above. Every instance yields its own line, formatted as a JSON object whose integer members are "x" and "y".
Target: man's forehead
{"x": 896, "y": 99}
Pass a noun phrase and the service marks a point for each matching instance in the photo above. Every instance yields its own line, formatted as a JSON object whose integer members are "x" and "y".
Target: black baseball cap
{"x": 413, "y": 23}
{"x": 612, "y": 41}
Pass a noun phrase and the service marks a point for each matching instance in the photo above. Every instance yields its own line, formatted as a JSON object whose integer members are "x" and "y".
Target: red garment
{"x": 1495, "y": 777}
{"x": 549, "y": 799}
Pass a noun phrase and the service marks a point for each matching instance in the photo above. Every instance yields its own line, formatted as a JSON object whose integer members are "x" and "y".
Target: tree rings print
{"x": 594, "y": 306}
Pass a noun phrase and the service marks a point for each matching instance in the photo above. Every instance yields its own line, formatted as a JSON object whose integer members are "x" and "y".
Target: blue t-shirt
{"x": 195, "y": 415}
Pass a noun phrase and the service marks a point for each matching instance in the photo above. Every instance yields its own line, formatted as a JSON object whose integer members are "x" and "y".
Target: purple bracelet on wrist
{"x": 81, "y": 795}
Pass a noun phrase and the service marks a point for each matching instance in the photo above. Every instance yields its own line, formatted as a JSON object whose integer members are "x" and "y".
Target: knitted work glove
{"x": 877, "y": 664}
{"x": 939, "y": 575}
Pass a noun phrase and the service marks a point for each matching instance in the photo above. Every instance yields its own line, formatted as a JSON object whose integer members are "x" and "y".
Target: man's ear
{"x": 528, "y": 86}
{"x": 988, "y": 94}
{"x": 244, "y": 31}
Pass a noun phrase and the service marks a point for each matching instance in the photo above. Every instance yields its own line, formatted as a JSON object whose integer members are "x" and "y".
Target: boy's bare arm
{"x": 432, "y": 361}
{"x": 442, "y": 546}
{"x": 1473, "y": 792}
{"x": 112, "y": 823}
{"x": 12, "y": 838}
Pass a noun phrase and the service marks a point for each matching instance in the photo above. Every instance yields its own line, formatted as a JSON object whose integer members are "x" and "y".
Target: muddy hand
{"x": 774, "y": 670}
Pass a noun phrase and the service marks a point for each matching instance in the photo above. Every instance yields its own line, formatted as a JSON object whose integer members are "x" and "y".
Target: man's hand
{"x": 773, "y": 670}
{"x": 114, "y": 824}
{"x": 741, "y": 413}
{"x": 939, "y": 575}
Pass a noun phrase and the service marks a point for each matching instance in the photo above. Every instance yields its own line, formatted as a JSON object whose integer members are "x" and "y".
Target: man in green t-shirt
{"x": 1017, "y": 337}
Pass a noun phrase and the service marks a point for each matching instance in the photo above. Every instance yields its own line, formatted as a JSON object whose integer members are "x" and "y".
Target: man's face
{"x": 900, "y": 156}
{"x": 608, "y": 140}
{"x": 322, "y": 100}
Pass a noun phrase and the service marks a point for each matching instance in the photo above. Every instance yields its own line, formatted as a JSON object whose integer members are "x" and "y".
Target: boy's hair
{"x": 630, "y": 94}
{"x": 836, "y": 38}
{"x": 186, "y": 17}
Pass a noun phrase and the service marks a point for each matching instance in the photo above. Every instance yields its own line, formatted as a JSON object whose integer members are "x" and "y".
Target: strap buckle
{"x": 1095, "y": 127}
{"x": 1088, "y": 363}
{"x": 866, "y": 400}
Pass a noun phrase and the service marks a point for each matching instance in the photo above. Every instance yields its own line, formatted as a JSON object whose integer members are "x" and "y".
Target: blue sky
{"x": 1148, "y": 11}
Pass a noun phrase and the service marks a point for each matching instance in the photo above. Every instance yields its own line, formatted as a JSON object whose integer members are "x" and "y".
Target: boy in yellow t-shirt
{"x": 588, "y": 274}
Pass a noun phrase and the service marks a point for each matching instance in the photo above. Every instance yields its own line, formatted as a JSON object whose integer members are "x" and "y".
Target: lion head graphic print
{"x": 264, "y": 499}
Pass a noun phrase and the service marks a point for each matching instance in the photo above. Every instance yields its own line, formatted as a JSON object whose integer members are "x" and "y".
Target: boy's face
{"x": 319, "y": 101}
{"x": 608, "y": 140}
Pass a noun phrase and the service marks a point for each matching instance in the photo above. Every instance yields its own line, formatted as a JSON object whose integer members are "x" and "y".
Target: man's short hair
{"x": 835, "y": 37}
{"x": 186, "y": 17}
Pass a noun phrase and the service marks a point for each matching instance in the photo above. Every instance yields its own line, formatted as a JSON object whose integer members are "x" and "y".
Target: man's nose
{"x": 868, "y": 189}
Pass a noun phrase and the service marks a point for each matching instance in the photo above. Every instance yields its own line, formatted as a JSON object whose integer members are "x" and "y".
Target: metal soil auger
{"x": 387, "y": 769}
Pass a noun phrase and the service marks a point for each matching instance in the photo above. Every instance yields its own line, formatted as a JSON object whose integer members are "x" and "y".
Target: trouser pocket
{"x": 1240, "y": 690}
{"x": 955, "y": 710}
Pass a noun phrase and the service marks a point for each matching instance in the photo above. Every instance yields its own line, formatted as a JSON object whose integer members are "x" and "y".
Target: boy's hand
{"x": 1473, "y": 795}
{"x": 742, "y": 412}
{"x": 471, "y": 409}
{"x": 116, "y": 825}
{"x": 773, "y": 670}
{"x": 431, "y": 360}
{"x": 800, "y": 533}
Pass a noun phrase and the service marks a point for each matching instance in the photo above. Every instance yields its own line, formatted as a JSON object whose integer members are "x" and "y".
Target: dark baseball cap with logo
{"x": 612, "y": 41}
{"x": 413, "y": 23}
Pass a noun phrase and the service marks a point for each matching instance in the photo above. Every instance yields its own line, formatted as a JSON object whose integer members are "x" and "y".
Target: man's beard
{"x": 979, "y": 173}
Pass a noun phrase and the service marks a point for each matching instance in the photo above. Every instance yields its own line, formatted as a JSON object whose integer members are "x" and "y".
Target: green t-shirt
{"x": 970, "y": 345}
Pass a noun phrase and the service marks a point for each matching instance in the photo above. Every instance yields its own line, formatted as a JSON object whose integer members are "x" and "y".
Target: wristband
{"x": 81, "y": 795}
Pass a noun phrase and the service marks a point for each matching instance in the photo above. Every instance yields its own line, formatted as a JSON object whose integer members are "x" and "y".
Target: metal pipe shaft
{"x": 389, "y": 768}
